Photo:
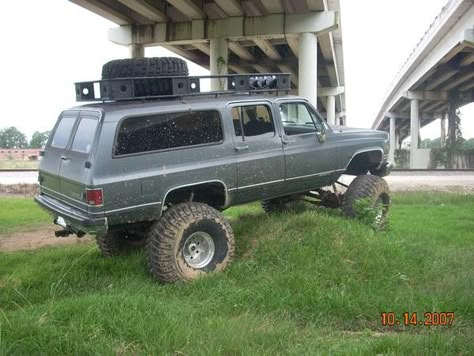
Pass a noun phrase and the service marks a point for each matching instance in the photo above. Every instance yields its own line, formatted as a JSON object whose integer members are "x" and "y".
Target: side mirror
{"x": 321, "y": 131}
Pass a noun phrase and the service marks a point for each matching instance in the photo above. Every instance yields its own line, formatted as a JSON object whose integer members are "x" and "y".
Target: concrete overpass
{"x": 438, "y": 74}
{"x": 301, "y": 37}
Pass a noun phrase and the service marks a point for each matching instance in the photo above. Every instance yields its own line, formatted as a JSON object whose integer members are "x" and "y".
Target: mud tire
{"x": 372, "y": 188}
{"x": 170, "y": 234}
{"x": 115, "y": 243}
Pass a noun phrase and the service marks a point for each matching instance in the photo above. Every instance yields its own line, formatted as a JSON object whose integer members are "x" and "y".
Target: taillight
{"x": 94, "y": 196}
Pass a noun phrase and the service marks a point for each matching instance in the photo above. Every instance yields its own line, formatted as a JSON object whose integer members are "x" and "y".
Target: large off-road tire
{"x": 188, "y": 241}
{"x": 144, "y": 67}
{"x": 280, "y": 205}
{"x": 115, "y": 243}
{"x": 373, "y": 194}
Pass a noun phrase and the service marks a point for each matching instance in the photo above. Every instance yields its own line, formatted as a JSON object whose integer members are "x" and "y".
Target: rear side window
{"x": 253, "y": 121}
{"x": 167, "y": 131}
{"x": 84, "y": 135}
{"x": 63, "y": 131}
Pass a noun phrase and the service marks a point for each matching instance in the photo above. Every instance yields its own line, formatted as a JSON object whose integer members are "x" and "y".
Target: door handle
{"x": 64, "y": 158}
{"x": 287, "y": 140}
{"x": 241, "y": 148}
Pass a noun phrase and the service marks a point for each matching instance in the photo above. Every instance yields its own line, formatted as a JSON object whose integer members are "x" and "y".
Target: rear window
{"x": 167, "y": 131}
{"x": 63, "y": 131}
{"x": 84, "y": 135}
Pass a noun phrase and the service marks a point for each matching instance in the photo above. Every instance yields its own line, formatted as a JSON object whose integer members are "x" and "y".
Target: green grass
{"x": 20, "y": 214}
{"x": 11, "y": 164}
{"x": 306, "y": 283}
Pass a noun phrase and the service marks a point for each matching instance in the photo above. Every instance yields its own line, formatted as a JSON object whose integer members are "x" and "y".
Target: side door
{"x": 75, "y": 162}
{"x": 259, "y": 151}
{"x": 310, "y": 154}
{"x": 49, "y": 179}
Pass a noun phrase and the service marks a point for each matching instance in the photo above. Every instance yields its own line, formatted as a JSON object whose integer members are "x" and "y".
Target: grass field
{"x": 306, "y": 283}
{"x": 7, "y": 164}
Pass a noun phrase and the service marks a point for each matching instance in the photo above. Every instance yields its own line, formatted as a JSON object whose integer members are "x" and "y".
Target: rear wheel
{"x": 188, "y": 241}
{"x": 368, "y": 198}
{"x": 118, "y": 242}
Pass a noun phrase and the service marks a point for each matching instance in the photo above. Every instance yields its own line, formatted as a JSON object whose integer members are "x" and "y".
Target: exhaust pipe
{"x": 63, "y": 233}
{"x": 67, "y": 232}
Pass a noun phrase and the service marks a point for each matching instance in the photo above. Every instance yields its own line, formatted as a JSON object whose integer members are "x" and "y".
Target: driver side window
{"x": 297, "y": 119}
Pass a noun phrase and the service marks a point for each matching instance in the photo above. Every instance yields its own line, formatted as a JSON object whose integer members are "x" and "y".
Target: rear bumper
{"x": 76, "y": 220}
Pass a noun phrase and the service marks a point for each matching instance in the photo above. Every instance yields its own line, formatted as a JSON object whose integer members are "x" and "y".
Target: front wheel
{"x": 189, "y": 240}
{"x": 368, "y": 198}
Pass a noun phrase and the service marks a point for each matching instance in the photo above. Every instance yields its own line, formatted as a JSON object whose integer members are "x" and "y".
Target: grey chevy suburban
{"x": 157, "y": 169}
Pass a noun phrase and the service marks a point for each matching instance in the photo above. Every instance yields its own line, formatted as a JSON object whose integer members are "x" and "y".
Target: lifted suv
{"x": 161, "y": 171}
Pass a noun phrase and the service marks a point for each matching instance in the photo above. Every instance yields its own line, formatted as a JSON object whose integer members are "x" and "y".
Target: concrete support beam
{"x": 427, "y": 95}
{"x": 136, "y": 51}
{"x": 104, "y": 11}
{"x": 219, "y": 60}
{"x": 414, "y": 131}
{"x": 231, "y": 7}
{"x": 393, "y": 143}
{"x": 467, "y": 60}
{"x": 273, "y": 6}
{"x": 334, "y": 91}
{"x": 293, "y": 44}
{"x": 440, "y": 79}
{"x": 308, "y": 67}
{"x": 317, "y": 5}
{"x": 331, "y": 110}
{"x": 458, "y": 81}
{"x": 241, "y": 51}
{"x": 203, "y": 47}
{"x": 188, "y": 8}
{"x": 234, "y": 28}
{"x": 145, "y": 9}
{"x": 267, "y": 48}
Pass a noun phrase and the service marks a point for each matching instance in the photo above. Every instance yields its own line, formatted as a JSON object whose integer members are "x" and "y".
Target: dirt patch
{"x": 26, "y": 190}
{"x": 41, "y": 237}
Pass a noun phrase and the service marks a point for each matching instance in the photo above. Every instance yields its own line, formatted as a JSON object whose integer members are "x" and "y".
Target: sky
{"x": 53, "y": 44}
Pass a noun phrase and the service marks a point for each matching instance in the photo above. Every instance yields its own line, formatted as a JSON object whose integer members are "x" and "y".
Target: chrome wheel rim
{"x": 198, "y": 249}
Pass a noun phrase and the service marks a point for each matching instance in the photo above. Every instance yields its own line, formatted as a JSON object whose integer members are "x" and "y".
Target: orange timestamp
{"x": 408, "y": 319}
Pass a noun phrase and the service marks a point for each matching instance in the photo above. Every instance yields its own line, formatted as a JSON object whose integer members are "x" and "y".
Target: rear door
{"x": 260, "y": 161}
{"x": 75, "y": 162}
{"x": 50, "y": 165}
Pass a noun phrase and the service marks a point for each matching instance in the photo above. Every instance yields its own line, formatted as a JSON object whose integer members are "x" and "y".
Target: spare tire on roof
{"x": 144, "y": 67}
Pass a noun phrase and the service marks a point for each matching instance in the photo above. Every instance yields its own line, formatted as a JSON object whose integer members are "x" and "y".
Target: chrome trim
{"x": 68, "y": 197}
{"x": 287, "y": 179}
{"x": 260, "y": 184}
{"x": 128, "y": 208}
{"x": 313, "y": 175}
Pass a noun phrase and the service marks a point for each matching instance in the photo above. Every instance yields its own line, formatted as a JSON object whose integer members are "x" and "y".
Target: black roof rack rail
{"x": 172, "y": 87}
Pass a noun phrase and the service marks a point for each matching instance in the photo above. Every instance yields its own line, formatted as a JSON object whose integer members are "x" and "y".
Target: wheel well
{"x": 363, "y": 162}
{"x": 213, "y": 194}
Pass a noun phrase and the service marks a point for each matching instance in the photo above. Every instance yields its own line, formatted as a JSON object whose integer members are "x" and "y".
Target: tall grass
{"x": 303, "y": 283}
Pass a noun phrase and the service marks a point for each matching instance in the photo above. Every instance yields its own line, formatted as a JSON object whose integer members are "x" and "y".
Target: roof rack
{"x": 171, "y": 87}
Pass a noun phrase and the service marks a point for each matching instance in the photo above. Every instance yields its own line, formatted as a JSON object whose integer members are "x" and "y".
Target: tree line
{"x": 12, "y": 138}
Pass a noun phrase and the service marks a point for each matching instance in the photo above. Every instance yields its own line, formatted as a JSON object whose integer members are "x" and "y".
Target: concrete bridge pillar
{"x": 219, "y": 62}
{"x": 393, "y": 144}
{"x": 331, "y": 110}
{"x": 414, "y": 131}
{"x": 308, "y": 67}
{"x": 443, "y": 129}
{"x": 136, "y": 50}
